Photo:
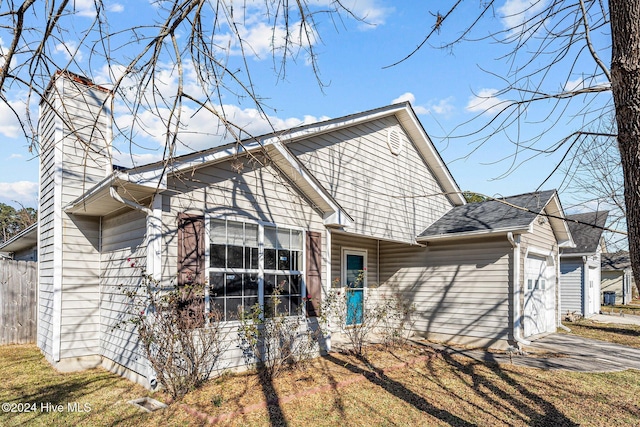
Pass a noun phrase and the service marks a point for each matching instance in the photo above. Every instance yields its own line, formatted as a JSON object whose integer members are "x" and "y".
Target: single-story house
{"x": 580, "y": 266}
{"x": 23, "y": 246}
{"x": 365, "y": 194}
{"x": 617, "y": 276}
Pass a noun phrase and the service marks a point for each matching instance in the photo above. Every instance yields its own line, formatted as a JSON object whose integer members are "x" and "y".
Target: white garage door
{"x": 537, "y": 285}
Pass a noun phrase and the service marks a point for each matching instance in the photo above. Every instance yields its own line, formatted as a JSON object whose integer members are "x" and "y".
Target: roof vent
{"x": 395, "y": 140}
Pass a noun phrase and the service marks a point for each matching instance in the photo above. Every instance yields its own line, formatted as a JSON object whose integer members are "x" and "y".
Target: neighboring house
{"x": 580, "y": 266}
{"x": 311, "y": 207}
{"x": 23, "y": 246}
{"x": 617, "y": 276}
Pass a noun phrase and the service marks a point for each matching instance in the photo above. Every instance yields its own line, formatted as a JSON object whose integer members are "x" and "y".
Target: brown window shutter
{"x": 314, "y": 273}
{"x": 191, "y": 263}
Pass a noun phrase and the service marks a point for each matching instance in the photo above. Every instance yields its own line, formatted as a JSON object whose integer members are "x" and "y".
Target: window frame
{"x": 261, "y": 270}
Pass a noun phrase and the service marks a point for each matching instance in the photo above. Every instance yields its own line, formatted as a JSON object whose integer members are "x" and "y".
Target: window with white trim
{"x": 249, "y": 261}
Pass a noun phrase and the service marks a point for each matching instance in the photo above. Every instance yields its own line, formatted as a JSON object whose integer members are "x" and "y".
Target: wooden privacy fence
{"x": 18, "y": 303}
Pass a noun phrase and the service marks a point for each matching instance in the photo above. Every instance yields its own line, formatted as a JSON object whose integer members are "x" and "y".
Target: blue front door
{"x": 355, "y": 280}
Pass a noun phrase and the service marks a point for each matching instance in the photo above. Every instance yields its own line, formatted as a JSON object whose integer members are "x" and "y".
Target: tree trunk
{"x": 625, "y": 84}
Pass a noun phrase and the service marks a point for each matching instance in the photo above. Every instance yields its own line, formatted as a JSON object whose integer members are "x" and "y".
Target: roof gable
{"x": 152, "y": 177}
{"x": 509, "y": 214}
{"x": 586, "y": 236}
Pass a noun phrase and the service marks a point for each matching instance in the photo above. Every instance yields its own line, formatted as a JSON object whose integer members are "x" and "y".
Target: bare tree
{"x": 593, "y": 176}
{"x": 183, "y": 57}
{"x": 556, "y": 78}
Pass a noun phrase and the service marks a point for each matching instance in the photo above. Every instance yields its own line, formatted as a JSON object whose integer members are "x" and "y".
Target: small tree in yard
{"x": 181, "y": 340}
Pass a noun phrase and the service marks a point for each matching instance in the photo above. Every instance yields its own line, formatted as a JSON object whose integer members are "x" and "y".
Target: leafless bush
{"x": 397, "y": 322}
{"x": 273, "y": 340}
{"x": 182, "y": 341}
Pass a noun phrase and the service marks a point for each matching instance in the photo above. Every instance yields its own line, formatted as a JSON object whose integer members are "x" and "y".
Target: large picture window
{"x": 249, "y": 263}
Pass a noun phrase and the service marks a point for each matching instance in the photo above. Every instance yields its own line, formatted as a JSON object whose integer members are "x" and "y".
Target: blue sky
{"x": 442, "y": 85}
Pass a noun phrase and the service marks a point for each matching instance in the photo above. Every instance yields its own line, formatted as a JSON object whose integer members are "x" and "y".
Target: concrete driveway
{"x": 565, "y": 352}
{"x": 561, "y": 352}
{"x": 573, "y": 353}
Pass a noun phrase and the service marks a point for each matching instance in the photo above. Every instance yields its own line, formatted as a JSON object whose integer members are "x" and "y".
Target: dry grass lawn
{"x": 409, "y": 386}
{"x": 628, "y": 335}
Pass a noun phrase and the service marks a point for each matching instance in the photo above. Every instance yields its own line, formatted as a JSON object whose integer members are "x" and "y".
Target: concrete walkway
{"x": 625, "y": 319}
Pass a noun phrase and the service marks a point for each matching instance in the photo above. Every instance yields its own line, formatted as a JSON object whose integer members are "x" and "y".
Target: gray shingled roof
{"x": 615, "y": 261}
{"x": 491, "y": 215}
{"x": 586, "y": 237}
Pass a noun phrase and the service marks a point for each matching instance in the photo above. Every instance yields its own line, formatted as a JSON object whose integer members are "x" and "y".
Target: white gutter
{"x": 113, "y": 192}
{"x": 475, "y": 233}
{"x": 559, "y": 296}
{"x": 515, "y": 243}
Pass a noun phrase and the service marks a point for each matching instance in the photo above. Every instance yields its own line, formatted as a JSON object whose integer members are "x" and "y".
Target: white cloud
{"x": 370, "y": 11}
{"x": 517, "y": 15}
{"x": 442, "y": 107}
{"x": 486, "y": 101}
{"x": 16, "y": 156}
{"x": 85, "y": 8}
{"x": 411, "y": 98}
{"x": 9, "y": 123}
{"x": 70, "y": 50}
{"x": 263, "y": 39}
{"x": 24, "y": 192}
{"x": 115, "y": 7}
{"x": 200, "y": 130}
{"x": 3, "y": 52}
{"x": 581, "y": 83}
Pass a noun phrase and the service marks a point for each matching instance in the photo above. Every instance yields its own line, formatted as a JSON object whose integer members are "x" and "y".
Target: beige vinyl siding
{"x": 612, "y": 281}
{"x": 46, "y": 224}
{"x": 461, "y": 290}
{"x": 123, "y": 244}
{"x": 340, "y": 241}
{"x": 73, "y": 160}
{"x": 84, "y": 164}
{"x": 255, "y": 193}
{"x": 541, "y": 238}
{"x": 80, "y": 287}
{"x": 390, "y": 197}
{"x": 571, "y": 286}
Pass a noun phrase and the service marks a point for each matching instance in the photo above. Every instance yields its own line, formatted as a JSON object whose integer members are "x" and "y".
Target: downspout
{"x": 559, "y": 296}
{"x": 113, "y": 192}
{"x": 585, "y": 290}
{"x": 515, "y": 244}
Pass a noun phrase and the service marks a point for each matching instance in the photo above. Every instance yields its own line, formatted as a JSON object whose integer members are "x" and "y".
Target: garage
{"x": 539, "y": 300}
